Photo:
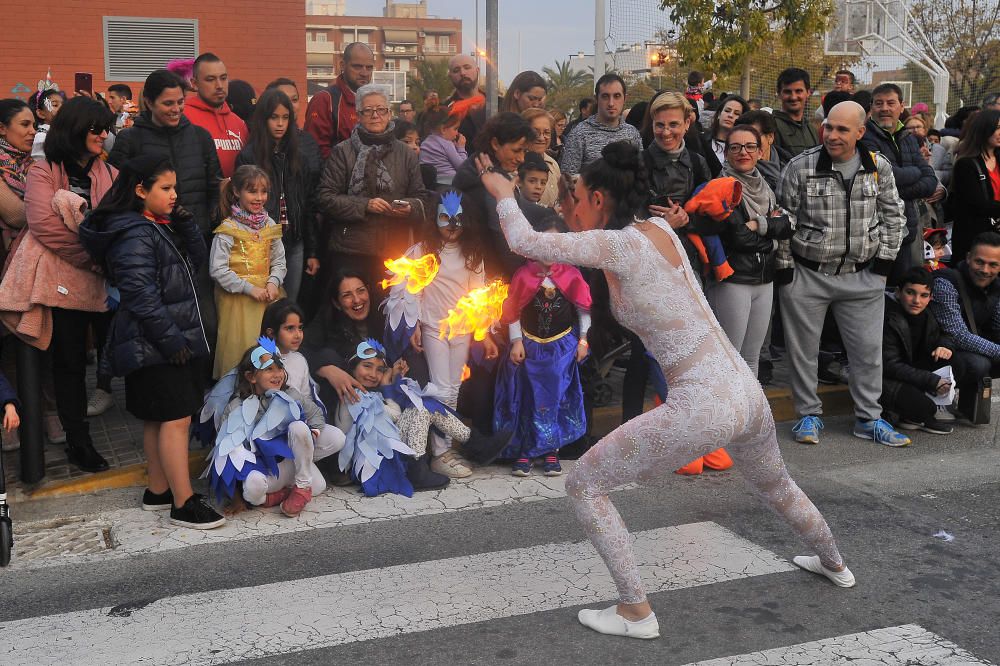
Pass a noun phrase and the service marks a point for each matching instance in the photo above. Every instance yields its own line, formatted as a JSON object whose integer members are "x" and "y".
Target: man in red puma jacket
{"x": 208, "y": 109}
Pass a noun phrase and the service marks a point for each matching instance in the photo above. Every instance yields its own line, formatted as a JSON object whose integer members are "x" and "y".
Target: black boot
{"x": 484, "y": 449}
{"x": 84, "y": 456}
{"x": 418, "y": 471}
{"x": 765, "y": 372}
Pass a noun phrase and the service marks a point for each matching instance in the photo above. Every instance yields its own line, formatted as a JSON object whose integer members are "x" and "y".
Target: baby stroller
{"x": 6, "y": 529}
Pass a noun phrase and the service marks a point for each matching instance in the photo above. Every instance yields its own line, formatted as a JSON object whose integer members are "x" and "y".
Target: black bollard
{"x": 29, "y": 391}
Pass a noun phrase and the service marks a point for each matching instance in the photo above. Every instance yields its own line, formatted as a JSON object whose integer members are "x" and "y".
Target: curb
{"x": 836, "y": 402}
{"x": 122, "y": 477}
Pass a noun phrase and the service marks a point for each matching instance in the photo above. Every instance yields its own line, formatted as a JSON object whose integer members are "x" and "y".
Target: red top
{"x": 995, "y": 179}
{"x": 319, "y": 117}
{"x": 228, "y": 130}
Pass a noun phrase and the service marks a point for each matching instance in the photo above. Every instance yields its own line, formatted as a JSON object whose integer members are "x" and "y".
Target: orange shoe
{"x": 296, "y": 501}
{"x": 718, "y": 459}
{"x": 693, "y": 468}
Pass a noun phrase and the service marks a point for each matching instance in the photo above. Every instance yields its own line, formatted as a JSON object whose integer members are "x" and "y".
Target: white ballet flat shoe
{"x": 608, "y": 621}
{"x": 812, "y": 563}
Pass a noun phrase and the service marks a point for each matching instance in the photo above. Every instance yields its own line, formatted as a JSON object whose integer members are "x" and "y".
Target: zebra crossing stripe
{"x": 906, "y": 645}
{"x": 221, "y": 626}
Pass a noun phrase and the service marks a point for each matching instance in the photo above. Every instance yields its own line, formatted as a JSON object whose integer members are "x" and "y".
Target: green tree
{"x": 430, "y": 74}
{"x": 564, "y": 76}
{"x": 726, "y": 36}
{"x": 966, "y": 33}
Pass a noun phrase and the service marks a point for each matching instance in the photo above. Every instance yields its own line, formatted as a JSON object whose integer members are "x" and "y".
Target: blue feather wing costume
{"x": 245, "y": 443}
{"x": 370, "y": 452}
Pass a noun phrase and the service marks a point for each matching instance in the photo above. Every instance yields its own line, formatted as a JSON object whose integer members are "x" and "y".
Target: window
{"x": 134, "y": 47}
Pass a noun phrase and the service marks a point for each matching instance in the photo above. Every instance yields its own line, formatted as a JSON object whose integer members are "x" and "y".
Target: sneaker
{"x": 910, "y": 425}
{"x": 157, "y": 502}
{"x": 86, "y": 457}
{"x": 196, "y": 514}
{"x": 296, "y": 501}
{"x": 275, "y": 498}
{"x": 936, "y": 427}
{"x": 551, "y": 466}
{"x": 100, "y": 402}
{"x": 944, "y": 413}
{"x": 807, "y": 429}
{"x": 11, "y": 441}
{"x": 881, "y": 432}
{"x": 53, "y": 429}
{"x": 451, "y": 465}
{"x": 521, "y": 467}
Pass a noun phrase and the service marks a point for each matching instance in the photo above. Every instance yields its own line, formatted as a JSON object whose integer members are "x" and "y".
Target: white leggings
{"x": 300, "y": 471}
{"x": 694, "y": 420}
{"x": 445, "y": 360}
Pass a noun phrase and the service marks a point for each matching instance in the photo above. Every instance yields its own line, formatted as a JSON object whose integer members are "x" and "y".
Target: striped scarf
{"x": 14, "y": 165}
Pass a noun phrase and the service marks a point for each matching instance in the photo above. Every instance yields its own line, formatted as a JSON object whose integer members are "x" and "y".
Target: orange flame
{"x": 466, "y": 372}
{"x": 417, "y": 273}
{"x": 476, "y": 312}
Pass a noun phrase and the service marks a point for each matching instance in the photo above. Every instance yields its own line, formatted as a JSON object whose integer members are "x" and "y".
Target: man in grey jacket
{"x": 849, "y": 226}
{"x": 585, "y": 143}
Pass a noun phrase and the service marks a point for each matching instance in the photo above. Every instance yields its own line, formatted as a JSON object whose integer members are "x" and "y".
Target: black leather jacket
{"x": 751, "y": 255}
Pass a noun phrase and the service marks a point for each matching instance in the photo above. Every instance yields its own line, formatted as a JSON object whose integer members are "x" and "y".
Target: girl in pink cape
{"x": 538, "y": 393}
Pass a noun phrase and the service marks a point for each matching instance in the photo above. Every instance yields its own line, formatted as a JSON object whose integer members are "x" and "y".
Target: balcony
{"x": 440, "y": 49}
{"x": 320, "y": 47}
{"x": 400, "y": 50}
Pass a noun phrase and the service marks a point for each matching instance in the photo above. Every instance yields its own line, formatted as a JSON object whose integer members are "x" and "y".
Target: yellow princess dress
{"x": 239, "y": 315}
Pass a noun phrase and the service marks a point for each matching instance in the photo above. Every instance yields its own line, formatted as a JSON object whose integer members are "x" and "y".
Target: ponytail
{"x": 621, "y": 174}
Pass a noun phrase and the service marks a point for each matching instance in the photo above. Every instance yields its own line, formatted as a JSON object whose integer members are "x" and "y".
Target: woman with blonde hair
{"x": 544, "y": 125}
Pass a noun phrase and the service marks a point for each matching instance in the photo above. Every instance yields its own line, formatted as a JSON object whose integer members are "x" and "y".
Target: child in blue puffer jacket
{"x": 157, "y": 342}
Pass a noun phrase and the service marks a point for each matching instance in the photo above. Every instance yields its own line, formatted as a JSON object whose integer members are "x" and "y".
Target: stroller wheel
{"x": 602, "y": 394}
{"x": 6, "y": 540}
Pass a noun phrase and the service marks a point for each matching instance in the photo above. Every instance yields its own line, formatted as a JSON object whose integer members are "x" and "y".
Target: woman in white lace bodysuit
{"x": 714, "y": 398}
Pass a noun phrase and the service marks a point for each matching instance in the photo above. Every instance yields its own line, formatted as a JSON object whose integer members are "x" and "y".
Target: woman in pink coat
{"x": 73, "y": 163}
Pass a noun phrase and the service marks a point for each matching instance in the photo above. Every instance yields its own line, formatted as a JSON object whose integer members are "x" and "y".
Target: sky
{"x": 549, "y": 30}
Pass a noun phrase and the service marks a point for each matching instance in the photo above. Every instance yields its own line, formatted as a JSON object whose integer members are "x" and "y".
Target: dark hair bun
{"x": 621, "y": 155}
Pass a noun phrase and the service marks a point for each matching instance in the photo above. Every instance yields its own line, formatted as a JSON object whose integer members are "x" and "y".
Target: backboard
{"x": 868, "y": 28}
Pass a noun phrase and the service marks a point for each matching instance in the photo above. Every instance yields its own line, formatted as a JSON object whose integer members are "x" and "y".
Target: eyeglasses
{"x": 97, "y": 131}
{"x": 379, "y": 111}
{"x": 736, "y": 148}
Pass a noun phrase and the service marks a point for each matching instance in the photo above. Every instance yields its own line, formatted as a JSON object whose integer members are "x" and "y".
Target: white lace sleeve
{"x": 592, "y": 249}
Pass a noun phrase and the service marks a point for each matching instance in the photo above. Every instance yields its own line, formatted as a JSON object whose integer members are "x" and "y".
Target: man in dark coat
{"x": 914, "y": 176}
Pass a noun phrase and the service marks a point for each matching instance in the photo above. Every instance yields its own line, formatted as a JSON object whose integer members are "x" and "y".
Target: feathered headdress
{"x": 369, "y": 348}
{"x": 182, "y": 67}
{"x": 449, "y": 209}
{"x": 266, "y": 347}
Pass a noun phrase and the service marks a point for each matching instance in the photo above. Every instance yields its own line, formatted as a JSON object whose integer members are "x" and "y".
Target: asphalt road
{"x": 884, "y": 506}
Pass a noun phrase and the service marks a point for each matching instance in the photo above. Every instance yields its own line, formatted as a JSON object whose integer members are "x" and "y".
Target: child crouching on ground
{"x": 266, "y": 419}
{"x": 411, "y": 411}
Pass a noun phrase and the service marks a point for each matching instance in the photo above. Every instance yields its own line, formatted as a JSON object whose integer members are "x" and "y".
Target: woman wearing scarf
{"x": 371, "y": 193}
{"x": 17, "y": 131}
{"x": 742, "y": 302}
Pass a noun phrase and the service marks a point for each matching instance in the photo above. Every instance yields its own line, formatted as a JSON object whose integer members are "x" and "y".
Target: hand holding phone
{"x": 83, "y": 82}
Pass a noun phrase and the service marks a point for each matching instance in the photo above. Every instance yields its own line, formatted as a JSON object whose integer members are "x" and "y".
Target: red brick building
{"x": 121, "y": 41}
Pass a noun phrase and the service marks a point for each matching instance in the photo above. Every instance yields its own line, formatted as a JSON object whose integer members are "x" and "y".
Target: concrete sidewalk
{"x": 117, "y": 436}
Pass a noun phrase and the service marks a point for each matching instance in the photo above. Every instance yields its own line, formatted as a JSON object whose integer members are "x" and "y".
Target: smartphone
{"x": 660, "y": 200}
{"x": 84, "y": 82}
{"x": 399, "y": 203}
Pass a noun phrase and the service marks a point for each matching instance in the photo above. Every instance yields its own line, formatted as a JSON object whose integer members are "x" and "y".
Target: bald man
{"x": 849, "y": 224}
{"x": 331, "y": 115}
{"x": 467, "y": 101}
